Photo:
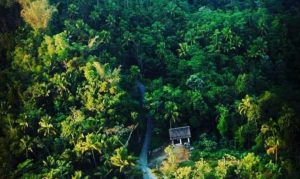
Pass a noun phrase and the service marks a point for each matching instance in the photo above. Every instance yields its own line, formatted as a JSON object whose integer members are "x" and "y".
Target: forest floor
{"x": 180, "y": 151}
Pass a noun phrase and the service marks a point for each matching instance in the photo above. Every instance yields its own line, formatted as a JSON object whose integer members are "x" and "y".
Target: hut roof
{"x": 179, "y": 133}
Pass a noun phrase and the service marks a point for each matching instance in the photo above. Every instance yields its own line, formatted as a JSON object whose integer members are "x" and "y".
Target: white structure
{"x": 179, "y": 134}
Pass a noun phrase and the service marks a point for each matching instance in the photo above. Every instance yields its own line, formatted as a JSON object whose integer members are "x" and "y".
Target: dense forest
{"x": 71, "y": 104}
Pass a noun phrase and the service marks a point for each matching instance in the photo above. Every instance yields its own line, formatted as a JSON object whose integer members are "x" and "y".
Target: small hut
{"x": 180, "y": 133}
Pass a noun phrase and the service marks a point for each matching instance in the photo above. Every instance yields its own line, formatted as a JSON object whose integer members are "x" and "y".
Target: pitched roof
{"x": 179, "y": 133}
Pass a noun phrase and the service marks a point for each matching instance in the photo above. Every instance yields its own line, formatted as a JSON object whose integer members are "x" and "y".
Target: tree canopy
{"x": 71, "y": 107}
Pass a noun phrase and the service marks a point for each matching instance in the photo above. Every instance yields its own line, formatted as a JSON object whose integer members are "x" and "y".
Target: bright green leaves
{"x": 111, "y": 76}
{"x": 101, "y": 91}
{"x": 36, "y": 90}
{"x": 61, "y": 45}
{"x": 249, "y": 108}
{"x": 90, "y": 142}
{"x": 69, "y": 126}
{"x": 122, "y": 159}
{"x": 78, "y": 123}
{"x": 93, "y": 74}
{"x": 77, "y": 175}
{"x": 242, "y": 83}
{"x": 170, "y": 165}
{"x": 50, "y": 45}
{"x": 231, "y": 40}
{"x": 23, "y": 60}
{"x": 223, "y": 124}
{"x": 102, "y": 37}
{"x": 56, "y": 47}
{"x": 184, "y": 49}
{"x": 183, "y": 173}
{"x": 24, "y": 166}
{"x": 25, "y": 145}
{"x": 46, "y": 127}
{"x": 60, "y": 82}
{"x": 272, "y": 119}
{"x": 202, "y": 169}
{"x": 224, "y": 41}
{"x": 69, "y": 107}
{"x": 195, "y": 100}
{"x": 95, "y": 71}
{"x": 36, "y": 55}
{"x": 247, "y": 167}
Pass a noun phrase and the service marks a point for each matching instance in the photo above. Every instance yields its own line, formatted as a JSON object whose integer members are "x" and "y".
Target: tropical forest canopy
{"x": 70, "y": 106}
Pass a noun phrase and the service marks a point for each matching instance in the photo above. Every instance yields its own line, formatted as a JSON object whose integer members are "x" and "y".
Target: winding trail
{"x": 143, "y": 159}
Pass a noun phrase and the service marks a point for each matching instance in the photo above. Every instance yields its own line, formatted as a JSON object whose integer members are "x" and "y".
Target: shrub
{"x": 225, "y": 165}
{"x": 170, "y": 165}
{"x": 206, "y": 144}
{"x": 183, "y": 173}
{"x": 202, "y": 169}
{"x": 247, "y": 167}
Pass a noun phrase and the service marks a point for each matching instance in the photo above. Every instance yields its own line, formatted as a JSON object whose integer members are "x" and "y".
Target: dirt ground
{"x": 181, "y": 152}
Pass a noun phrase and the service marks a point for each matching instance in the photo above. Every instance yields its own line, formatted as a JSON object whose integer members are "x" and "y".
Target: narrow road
{"x": 143, "y": 159}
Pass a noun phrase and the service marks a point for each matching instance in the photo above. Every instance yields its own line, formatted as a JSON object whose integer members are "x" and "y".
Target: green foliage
{"x": 90, "y": 142}
{"x": 243, "y": 83}
{"x": 105, "y": 94}
{"x": 223, "y": 167}
{"x": 205, "y": 143}
{"x": 183, "y": 173}
{"x": 224, "y": 41}
{"x": 78, "y": 175}
{"x": 169, "y": 166}
{"x": 69, "y": 102}
{"x": 55, "y": 47}
{"x": 46, "y": 127}
{"x": 249, "y": 108}
{"x": 258, "y": 48}
{"x": 24, "y": 166}
{"x": 202, "y": 169}
{"x": 223, "y": 120}
{"x": 164, "y": 100}
{"x": 244, "y": 135}
{"x": 7, "y": 3}
{"x": 248, "y": 166}
{"x": 122, "y": 159}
